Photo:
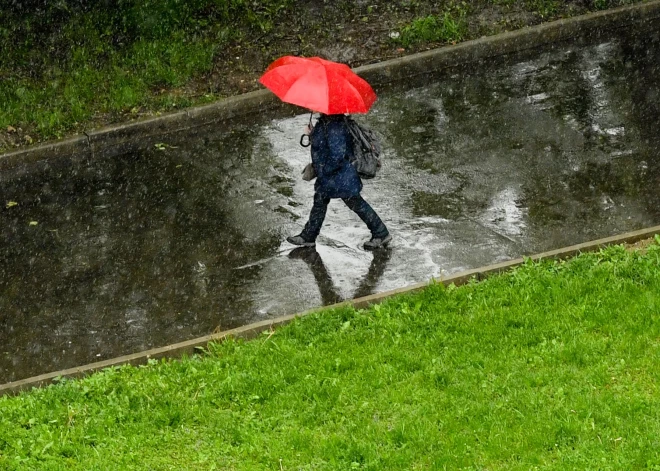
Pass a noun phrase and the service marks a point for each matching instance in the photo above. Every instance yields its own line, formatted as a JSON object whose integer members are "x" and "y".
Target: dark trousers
{"x": 356, "y": 203}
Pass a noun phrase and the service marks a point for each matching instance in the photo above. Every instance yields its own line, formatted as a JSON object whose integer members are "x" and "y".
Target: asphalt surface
{"x": 113, "y": 256}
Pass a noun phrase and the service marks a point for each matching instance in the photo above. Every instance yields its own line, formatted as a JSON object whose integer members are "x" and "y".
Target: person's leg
{"x": 358, "y": 205}
{"x": 316, "y": 218}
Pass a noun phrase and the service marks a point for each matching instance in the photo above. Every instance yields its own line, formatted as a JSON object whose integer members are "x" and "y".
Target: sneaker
{"x": 298, "y": 240}
{"x": 377, "y": 243}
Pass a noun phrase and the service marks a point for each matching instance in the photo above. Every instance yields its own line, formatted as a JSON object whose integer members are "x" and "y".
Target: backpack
{"x": 366, "y": 149}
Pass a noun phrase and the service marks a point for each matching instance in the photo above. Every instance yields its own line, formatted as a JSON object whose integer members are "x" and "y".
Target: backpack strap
{"x": 358, "y": 135}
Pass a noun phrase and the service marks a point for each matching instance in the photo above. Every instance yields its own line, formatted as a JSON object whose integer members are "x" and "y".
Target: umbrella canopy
{"x": 319, "y": 85}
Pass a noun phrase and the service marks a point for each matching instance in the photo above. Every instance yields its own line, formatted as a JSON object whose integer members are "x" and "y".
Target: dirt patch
{"x": 356, "y": 33}
{"x": 642, "y": 246}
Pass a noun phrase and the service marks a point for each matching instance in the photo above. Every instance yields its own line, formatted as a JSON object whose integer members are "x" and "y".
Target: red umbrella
{"x": 320, "y": 85}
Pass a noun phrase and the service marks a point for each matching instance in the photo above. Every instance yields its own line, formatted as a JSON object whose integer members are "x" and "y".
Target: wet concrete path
{"x": 114, "y": 256}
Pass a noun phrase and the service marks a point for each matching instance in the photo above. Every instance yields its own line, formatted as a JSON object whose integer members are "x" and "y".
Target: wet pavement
{"x": 113, "y": 256}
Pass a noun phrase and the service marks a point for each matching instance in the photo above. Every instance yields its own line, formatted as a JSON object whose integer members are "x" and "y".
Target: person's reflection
{"x": 329, "y": 293}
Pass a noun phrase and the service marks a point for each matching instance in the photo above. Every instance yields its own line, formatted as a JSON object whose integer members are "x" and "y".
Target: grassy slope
{"x": 68, "y": 64}
{"x": 552, "y": 366}
{"x": 72, "y": 66}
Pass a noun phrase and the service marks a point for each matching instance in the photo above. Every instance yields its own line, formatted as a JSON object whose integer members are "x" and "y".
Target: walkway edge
{"x": 123, "y": 138}
{"x": 252, "y": 330}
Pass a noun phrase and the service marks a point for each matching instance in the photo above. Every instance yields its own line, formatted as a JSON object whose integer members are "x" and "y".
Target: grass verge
{"x": 550, "y": 366}
{"x": 70, "y": 66}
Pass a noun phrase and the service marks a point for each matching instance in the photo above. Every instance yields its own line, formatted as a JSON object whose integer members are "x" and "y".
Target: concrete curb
{"x": 119, "y": 139}
{"x": 252, "y": 330}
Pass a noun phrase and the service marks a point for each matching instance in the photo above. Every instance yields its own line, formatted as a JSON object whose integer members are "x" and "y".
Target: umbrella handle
{"x": 302, "y": 140}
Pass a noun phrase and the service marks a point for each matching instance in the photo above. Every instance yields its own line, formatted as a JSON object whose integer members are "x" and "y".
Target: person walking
{"x": 337, "y": 178}
{"x": 333, "y": 90}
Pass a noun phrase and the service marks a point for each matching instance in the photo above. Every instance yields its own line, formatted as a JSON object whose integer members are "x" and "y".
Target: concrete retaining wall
{"x": 252, "y": 330}
{"x": 120, "y": 139}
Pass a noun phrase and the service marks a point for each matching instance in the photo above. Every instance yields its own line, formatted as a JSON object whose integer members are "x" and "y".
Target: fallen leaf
{"x": 28, "y": 139}
{"x": 11, "y": 204}
{"x": 34, "y": 223}
{"x": 11, "y": 129}
{"x": 163, "y": 146}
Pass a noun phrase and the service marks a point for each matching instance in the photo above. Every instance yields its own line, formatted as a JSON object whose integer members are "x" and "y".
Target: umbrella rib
{"x": 355, "y": 90}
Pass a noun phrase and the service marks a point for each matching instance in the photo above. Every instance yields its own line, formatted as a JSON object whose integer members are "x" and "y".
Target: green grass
{"x": 452, "y": 25}
{"x": 60, "y": 101}
{"x": 551, "y": 366}
{"x": 444, "y": 28}
{"x": 65, "y": 64}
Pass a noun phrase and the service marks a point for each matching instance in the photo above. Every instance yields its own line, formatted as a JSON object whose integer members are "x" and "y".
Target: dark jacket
{"x": 332, "y": 150}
